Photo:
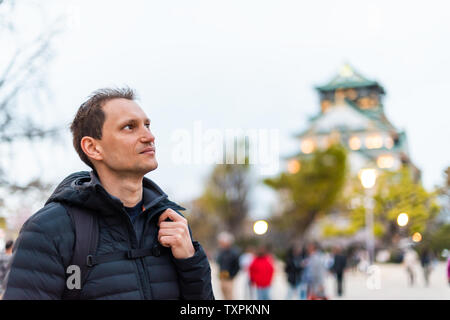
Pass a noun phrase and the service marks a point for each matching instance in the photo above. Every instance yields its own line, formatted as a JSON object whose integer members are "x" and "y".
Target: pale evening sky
{"x": 250, "y": 65}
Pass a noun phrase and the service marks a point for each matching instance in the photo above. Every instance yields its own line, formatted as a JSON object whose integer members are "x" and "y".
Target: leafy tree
{"x": 225, "y": 200}
{"x": 396, "y": 192}
{"x": 310, "y": 192}
{"x": 205, "y": 225}
{"x": 437, "y": 236}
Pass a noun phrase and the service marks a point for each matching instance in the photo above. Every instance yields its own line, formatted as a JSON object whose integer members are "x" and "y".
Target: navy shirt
{"x": 134, "y": 212}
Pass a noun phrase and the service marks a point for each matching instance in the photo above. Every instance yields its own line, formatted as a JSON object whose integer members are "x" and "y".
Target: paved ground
{"x": 386, "y": 282}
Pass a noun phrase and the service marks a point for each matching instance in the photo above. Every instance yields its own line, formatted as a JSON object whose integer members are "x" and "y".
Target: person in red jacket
{"x": 261, "y": 272}
{"x": 448, "y": 270}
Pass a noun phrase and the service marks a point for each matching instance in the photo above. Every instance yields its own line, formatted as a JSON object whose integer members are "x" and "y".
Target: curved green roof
{"x": 348, "y": 78}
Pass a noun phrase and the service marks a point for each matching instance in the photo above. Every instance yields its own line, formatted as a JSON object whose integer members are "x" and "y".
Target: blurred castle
{"x": 352, "y": 114}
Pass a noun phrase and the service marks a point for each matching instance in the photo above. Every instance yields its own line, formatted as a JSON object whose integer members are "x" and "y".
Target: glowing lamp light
{"x": 417, "y": 237}
{"x": 293, "y": 166}
{"x": 260, "y": 227}
{"x": 368, "y": 177}
{"x": 402, "y": 219}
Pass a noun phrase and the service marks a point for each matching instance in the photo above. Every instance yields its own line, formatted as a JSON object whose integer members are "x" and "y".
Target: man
{"x": 426, "y": 260}
{"x": 338, "y": 268}
{"x": 111, "y": 134}
{"x": 5, "y": 258}
{"x": 294, "y": 265}
{"x": 228, "y": 261}
{"x": 315, "y": 273}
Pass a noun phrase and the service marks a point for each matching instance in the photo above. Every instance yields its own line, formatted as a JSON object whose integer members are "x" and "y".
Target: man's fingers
{"x": 170, "y": 231}
{"x": 168, "y": 241}
{"x": 172, "y": 215}
{"x": 170, "y": 224}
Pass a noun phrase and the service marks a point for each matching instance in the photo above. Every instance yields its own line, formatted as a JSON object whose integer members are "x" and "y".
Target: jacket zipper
{"x": 146, "y": 275}
{"x": 143, "y": 284}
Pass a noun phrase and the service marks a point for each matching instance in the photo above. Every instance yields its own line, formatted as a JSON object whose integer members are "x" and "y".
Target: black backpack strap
{"x": 126, "y": 254}
{"x": 86, "y": 240}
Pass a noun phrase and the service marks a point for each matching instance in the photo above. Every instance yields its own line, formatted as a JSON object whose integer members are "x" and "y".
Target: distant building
{"x": 352, "y": 113}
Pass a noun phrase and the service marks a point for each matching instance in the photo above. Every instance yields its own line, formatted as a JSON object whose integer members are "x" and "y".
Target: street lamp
{"x": 402, "y": 219}
{"x": 368, "y": 179}
{"x": 260, "y": 227}
{"x": 417, "y": 237}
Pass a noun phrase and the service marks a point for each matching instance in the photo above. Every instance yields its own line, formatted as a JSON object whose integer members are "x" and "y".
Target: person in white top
{"x": 410, "y": 262}
{"x": 244, "y": 261}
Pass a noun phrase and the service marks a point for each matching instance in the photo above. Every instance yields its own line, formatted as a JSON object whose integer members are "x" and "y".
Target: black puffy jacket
{"x": 45, "y": 245}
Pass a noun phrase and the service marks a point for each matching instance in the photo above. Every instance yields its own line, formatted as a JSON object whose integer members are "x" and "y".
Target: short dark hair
{"x": 9, "y": 244}
{"x": 90, "y": 117}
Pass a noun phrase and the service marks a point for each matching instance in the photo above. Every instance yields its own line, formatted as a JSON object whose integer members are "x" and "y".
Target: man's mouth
{"x": 149, "y": 150}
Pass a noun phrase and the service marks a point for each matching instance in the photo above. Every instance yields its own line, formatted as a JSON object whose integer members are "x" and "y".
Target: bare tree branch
{"x": 24, "y": 71}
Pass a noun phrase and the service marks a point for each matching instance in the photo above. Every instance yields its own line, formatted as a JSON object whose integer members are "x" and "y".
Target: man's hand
{"x": 175, "y": 234}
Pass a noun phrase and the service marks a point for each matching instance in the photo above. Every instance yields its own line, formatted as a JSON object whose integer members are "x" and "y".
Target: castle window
{"x": 307, "y": 146}
{"x": 325, "y": 105}
{"x": 385, "y": 161}
{"x": 389, "y": 142}
{"x": 374, "y": 141}
{"x": 352, "y": 94}
{"x": 354, "y": 143}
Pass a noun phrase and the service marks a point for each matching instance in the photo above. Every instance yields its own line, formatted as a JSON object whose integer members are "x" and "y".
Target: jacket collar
{"x": 85, "y": 190}
{"x": 152, "y": 193}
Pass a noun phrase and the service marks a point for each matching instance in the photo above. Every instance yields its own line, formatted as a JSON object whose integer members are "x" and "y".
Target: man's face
{"x": 127, "y": 144}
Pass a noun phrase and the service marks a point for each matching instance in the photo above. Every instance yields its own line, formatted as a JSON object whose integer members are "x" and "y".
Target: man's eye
{"x": 128, "y": 127}
{"x": 147, "y": 125}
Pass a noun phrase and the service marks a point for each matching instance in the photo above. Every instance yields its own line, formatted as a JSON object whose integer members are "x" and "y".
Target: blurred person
{"x": 261, "y": 272}
{"x": 144, "y": 246}
{"x": 354, "y": 260}
{"x": 294, "y": 265}
{"x": 410, "y": 262}
{"x": 448, "y": 270}
{"x": 315, "y": 273}
{"x": 228, "y": 261}
{"x": 245, "y": 260}
{"x": 338, "y": 267}
{"x": 426, "y": 260}
{"x": 364, "y": 261}
{"x": 5, "y": 258}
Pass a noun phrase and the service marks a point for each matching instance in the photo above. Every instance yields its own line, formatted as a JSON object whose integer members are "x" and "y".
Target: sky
{"x": 243, "y": 65}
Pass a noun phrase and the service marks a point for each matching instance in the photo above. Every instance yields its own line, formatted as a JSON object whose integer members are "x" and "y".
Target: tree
{"x": 225, "y": 200}
{"x": 396, "y": 192}
{"x": 23, "y": 67}
{"x": 438, "y": 235}
{"x": 22, "y": 71}
{"x": 204, "y": 225}
{"x": 310, "y": 192}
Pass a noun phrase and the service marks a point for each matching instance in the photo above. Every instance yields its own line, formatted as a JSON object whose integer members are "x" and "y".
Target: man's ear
{"x": 91, "y": 148}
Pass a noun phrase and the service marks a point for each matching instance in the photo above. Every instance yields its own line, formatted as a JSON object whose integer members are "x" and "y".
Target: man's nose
{"x": 147, "y": 136}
